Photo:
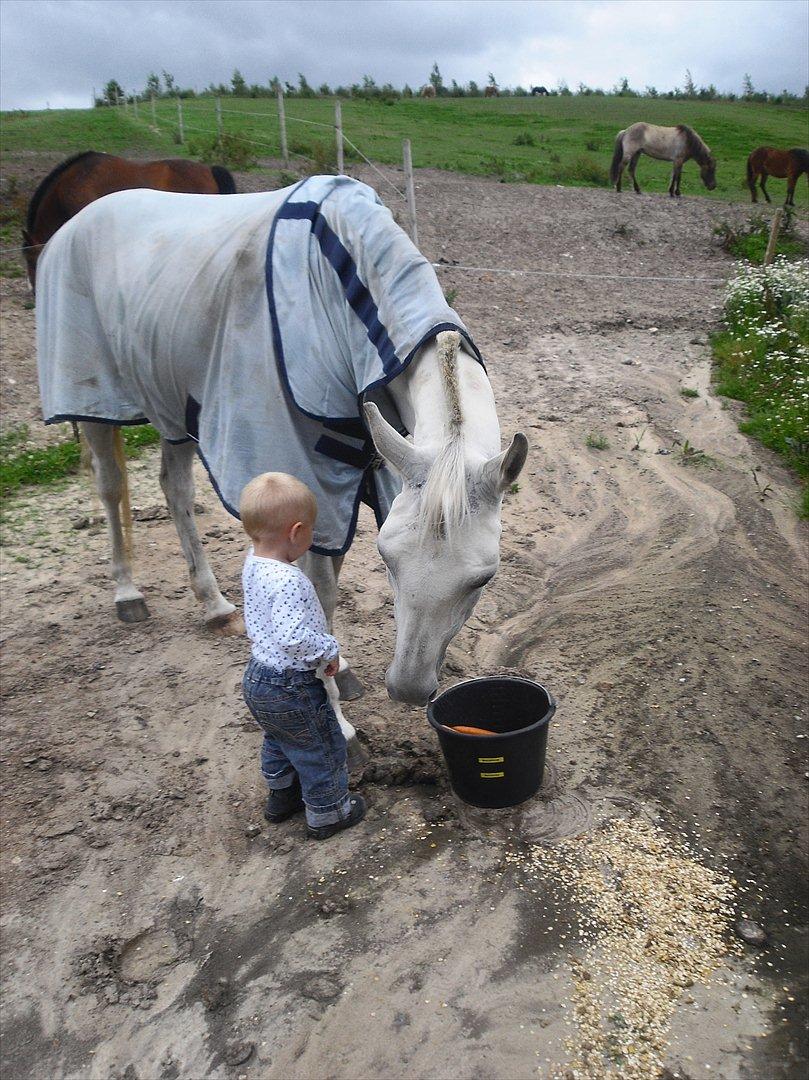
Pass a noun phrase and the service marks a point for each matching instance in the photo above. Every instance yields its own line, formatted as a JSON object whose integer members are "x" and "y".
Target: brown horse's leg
{"x": 751, "y": 183}
{"x": 792, "y": 181}
{"x": 764, "y": 175}
{"x": 633, "y": 163}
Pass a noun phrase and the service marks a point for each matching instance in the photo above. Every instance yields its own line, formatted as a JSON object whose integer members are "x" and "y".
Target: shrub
{"x": 233, "y": 150}
{"x": 525, "y": 138}
{"x": 582, "y": 170}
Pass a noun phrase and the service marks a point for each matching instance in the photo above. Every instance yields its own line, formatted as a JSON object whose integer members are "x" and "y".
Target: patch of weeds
{"x": 592, "y": 146}
{"x": 525, "y": 138}
{"x": 691, "y": 455}
{"x": 582, "y": 170}
{"x": 762, "y": 358}
{"x": 762, "y": 491}
{"x": 22, "y": 465}
{"x": 636, "y": 445}
{"x": 232, "y": 150}
{"x": 9, "y": 269}
{"x": 286, "y": 177}
{"x": 750, "y": 242}
{"x": 596, "y": 441}
{"x": 450, "y": 296}
{"x": 514, "y": 488}
{"x": 624, "y": 229}
{"x": 688, "y": 392}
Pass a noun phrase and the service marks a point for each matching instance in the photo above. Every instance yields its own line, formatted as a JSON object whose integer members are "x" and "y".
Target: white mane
{"x": 445, "y": 500}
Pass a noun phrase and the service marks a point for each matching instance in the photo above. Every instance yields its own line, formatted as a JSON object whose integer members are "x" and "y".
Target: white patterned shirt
{"x": 284, "y": 618}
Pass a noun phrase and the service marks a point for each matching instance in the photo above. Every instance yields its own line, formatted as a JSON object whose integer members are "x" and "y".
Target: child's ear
{"x": 295, "y": 530}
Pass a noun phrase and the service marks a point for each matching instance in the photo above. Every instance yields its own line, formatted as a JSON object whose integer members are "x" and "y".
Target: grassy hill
{"x": 554, "y": 140}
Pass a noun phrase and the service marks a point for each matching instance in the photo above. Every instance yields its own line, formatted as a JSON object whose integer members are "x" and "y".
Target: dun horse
{"x": 783, "y": 164}
{"x": 676, "y": 144}
{"x": 86, "y": 177}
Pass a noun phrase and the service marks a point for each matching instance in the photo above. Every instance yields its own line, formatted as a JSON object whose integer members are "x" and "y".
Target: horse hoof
{"x": 350, "y": 687}
{"x": 132, "y": 611}
{"x": 357, "y": 756}
{"x": 231, "y": 625}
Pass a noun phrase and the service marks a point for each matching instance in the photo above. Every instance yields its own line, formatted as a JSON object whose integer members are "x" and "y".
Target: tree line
{"x": 165, "y": 86}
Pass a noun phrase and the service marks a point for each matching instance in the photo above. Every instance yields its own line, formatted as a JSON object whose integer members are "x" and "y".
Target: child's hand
{"x": 331, "y": 669}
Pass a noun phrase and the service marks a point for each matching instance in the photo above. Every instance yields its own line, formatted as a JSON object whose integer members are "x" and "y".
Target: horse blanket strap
{"x": 253, "y": 324}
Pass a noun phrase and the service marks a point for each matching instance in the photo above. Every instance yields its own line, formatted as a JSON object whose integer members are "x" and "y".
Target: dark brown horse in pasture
{"x": 676, "y": 144}
{"x": 86, "y": 177}
{"x": 784, "y": 164}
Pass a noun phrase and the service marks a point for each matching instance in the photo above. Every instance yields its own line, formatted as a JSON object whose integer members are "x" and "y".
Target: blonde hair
{"x": 272, "y": 502}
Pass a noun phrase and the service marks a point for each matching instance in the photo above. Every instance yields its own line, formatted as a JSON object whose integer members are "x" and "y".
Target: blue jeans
{"x": 301, "y": 735}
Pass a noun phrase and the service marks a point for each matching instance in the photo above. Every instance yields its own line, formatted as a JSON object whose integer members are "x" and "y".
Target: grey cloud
{"x": 57, "y": 50}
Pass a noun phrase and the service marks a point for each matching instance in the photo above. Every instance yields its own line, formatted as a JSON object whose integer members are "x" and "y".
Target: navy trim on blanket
{"x": 62, "y": 418}
{"x": 356, "y": 292}
{"x": 358, "y": 457}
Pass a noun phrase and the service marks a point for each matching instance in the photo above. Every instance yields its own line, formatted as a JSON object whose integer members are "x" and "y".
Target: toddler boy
{"x": 303, "y": 757}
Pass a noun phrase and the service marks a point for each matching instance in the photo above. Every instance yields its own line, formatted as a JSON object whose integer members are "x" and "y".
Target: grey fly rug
{"x": 253, "y": 324}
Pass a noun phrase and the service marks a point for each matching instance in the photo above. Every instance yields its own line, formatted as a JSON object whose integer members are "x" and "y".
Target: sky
{"x": 54, "y": 52}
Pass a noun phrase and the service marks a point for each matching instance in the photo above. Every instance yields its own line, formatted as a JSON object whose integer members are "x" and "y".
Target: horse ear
{"x": 502, "y": 470}
{"x": 393, "y": 447}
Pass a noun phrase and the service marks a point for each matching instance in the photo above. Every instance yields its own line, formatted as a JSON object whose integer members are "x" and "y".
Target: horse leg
{"x": 620, "y": 175}
{"x": 177, "y": 482}
{"x": 763, "y": 189}
{"x": 751, "y": 183}
{"x": 323, "y": 571}
{"x": 791, "y": 184}
{"x": 633, "y": 164}
{"x": 111, "y": 483}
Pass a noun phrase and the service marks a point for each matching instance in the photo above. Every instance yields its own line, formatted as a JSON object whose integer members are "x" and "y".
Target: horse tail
{"x": 125, "y": 506}
{"x": 224, "y": 180}
{"x": 617, "y": 158}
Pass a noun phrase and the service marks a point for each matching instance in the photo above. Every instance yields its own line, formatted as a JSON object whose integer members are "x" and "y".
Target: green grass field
{"x": 555, "y": 140}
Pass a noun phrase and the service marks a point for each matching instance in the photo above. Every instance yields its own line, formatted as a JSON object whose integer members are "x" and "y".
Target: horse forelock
{"x": 45, "y": 185}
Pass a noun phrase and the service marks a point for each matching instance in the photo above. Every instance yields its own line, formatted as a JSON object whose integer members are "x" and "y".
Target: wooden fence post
{"x": 411, "y": 191}
{"x": 338, "y": 134}
{"x": 180, "y": 120}
{"x": 219, "y": 123}
{"x": 279, "y": 93}
{"x": 775, "y": 228}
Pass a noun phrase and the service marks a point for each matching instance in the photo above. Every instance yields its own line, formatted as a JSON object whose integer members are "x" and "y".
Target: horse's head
{"x": 440, "y": 556}
{"x": 707, "y": 171}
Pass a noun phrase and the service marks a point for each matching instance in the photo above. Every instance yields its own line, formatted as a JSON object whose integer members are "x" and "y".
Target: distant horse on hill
{"x": 767, "y": 161}
{"x": 428, "y": 91}
{"x": 491, "y": 91}
{"x": 677, "y": 144}
{"x": 539, "y": 91}
{"x": 86, "y": 177}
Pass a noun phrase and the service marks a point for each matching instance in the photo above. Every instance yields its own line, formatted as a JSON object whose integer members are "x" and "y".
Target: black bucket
{"x": 500, "y": 770}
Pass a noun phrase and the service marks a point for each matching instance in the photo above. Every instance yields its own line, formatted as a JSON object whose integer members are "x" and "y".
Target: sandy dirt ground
{"x": 588, "y": 934}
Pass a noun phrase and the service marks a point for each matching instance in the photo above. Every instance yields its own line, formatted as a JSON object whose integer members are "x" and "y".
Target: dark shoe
{"x": 283, "y": 803}
{"x": 355, "y": 815}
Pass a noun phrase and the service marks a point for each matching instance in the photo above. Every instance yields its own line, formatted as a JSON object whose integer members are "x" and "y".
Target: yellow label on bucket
{"x": 490, "y": 760}
{"x": 491, "y": 775}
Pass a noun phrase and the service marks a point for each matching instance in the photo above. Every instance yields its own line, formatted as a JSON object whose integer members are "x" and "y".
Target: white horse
{"x": 440, "y": 541}
{"x": 677, "y": 144}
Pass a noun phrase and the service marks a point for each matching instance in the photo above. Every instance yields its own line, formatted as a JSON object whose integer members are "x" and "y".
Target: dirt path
{"x": 662, "y": 601}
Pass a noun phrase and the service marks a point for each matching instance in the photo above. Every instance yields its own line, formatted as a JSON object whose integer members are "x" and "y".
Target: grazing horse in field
{"x": 491, "y": 91}
{"x": 676, "y": 144}
{"x": 428, "y": 91}
{"x": 539, "y": 91}
{"x": 292, "y": 330}
{"x": 767, "y": 161}
{"x": 86, "y": 177}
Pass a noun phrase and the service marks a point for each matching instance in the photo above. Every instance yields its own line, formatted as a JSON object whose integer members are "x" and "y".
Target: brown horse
{"x": 86, "y": 177}
{"x": 767, "y": 161}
